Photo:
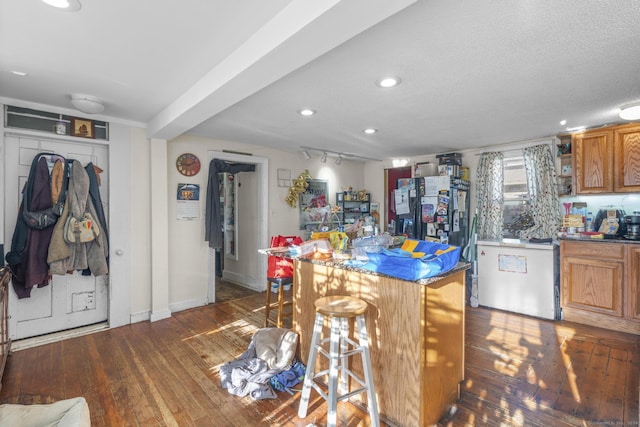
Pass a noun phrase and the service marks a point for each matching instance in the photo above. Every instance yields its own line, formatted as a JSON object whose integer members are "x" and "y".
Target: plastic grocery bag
{"x": 279, "y": 267}
{"x": 417, "y": 259}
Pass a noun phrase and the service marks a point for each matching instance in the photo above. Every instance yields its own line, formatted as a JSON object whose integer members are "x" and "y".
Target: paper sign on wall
{"x": 434, "y": 184}
{"x": 402, "y": 201}
{"x": 188, "y": 202}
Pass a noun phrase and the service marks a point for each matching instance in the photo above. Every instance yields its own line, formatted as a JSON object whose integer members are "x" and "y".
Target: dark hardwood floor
{"x": 520, "y": 371}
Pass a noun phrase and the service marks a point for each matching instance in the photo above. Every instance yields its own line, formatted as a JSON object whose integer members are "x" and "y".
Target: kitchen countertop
{"x": 588, "y": 239}
{"x": 461, "y": 266}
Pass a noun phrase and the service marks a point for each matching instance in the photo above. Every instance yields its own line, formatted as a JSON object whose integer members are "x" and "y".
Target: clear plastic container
{"x": 372, "y": 243}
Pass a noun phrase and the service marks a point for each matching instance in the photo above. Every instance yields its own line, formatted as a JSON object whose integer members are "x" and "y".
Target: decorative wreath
{"x": 299, "y": 186}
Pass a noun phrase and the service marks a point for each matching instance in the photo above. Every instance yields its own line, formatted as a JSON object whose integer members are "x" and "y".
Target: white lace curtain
{"x": 489, "y": 198}
{"x": 543, "y": 193}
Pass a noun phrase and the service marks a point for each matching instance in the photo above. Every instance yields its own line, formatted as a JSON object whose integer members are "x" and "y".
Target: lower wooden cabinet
{"x": 633, "y": 277}
{"x": 600, "y": 284}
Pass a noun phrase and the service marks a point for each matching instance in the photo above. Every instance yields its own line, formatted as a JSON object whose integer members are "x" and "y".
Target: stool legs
{"x": 267, "y": 307}
{"x": 273, "y": 305}
{"x": 308, "y": 376}
{"x": 334, "y": 358}
{"x": 338, "y": 364}
{"x": 280, "y": 304}
{"x": 344, "y": 360}
{"x": 372, "y": 403}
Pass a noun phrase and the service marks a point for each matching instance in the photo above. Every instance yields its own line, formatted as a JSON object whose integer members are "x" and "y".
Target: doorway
{"x": 391, "y": 177}
{"x": 250, "y": 268}
{"x": 71, "y": 300}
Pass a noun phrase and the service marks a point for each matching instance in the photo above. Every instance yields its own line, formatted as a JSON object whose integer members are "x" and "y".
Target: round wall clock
{"x": 188, "y": 164}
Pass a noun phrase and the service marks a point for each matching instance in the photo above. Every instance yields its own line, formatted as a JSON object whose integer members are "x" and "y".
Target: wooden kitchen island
{"x": 416, "y": 334}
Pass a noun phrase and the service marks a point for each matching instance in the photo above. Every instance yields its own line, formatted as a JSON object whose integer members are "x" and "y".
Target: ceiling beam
{"x": 301, "y": 32}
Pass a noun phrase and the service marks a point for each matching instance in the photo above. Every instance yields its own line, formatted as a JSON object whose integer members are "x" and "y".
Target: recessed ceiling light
{"x": 19, "y": 73}
{"x": 388, "y": 82}
{"x": 307, "y": 112}
{"x": 563, "y": 122}
{"x": 370, "y": 131}
{"x": 630, "y": 111}
{"x": 576, "y": 129}
{"x": 67, "y": 5}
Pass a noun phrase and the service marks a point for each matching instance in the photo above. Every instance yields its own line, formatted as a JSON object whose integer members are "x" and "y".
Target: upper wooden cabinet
{"x": 593, "y": 161}
{"x": 607, "y": 160}
{"x": 626, "y": 149}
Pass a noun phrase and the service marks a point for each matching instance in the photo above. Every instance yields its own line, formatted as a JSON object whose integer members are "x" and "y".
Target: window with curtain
{"x": 517, "y": 204}
{"x": 517, "y": 196}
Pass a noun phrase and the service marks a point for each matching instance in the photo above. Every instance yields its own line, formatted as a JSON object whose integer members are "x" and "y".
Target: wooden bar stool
{"x": 339, "y": 309}
{"x": 277, "y": 305}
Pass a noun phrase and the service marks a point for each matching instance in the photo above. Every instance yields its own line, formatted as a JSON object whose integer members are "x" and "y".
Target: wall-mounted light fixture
{"x": 630, "y": 111}
{"x": 67, "y": 5}
{"x": 398, "y": 163}
{"x": 87, "y": 103}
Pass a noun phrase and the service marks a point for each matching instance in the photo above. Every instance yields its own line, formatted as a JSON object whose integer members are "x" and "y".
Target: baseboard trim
{"x": 159, "y": 315}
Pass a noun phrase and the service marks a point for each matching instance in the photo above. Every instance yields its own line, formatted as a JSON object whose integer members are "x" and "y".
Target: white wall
{"x": 140, "y": 224}
{"x": 188, "y": 252}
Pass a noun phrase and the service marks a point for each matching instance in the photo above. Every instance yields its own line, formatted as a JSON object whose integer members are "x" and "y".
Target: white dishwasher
{"x": 518, "y": 276}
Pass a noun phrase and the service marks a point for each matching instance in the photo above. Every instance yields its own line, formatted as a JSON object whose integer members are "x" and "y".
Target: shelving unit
{"x": 565, "y": 177}
{"x": 352, "y": 207}
{"x": 230, "y": 215}
{"x": 565, "y": 171}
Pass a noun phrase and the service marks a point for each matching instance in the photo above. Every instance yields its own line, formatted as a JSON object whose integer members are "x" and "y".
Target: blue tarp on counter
{"x": 417, "y": 259}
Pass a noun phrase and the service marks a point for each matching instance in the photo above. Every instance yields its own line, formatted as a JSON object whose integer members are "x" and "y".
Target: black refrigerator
{"x": 437, "y": 207}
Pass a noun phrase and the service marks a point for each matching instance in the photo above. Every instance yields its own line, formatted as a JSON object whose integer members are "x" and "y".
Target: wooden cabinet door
{"x": 627, "y": 159}
{"x": 593, "y": 158}
{"x": 633, "y": 279}
{"x": 593, "y": 285}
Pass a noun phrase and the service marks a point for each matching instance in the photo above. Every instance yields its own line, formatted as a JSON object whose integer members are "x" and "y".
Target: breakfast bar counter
{"x": 416, "y": 334}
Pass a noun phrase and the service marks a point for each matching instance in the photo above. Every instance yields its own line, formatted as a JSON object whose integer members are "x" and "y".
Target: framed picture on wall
{"x": 83, "y": 128}
{"x": 314, "y": 205}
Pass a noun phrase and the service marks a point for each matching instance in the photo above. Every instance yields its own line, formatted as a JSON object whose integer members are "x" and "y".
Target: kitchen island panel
{"x": 416, "y": 334}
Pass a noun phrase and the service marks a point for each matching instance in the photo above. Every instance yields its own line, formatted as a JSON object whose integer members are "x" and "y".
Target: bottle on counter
{"x": 589, "y": 222}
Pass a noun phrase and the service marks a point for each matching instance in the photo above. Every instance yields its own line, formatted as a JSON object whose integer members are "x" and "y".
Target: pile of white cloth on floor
{"x": 270, "y": 352}
{"x": 64, "y": 413}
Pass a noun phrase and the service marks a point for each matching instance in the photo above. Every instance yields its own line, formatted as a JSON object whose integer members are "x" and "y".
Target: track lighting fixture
{"x": 324, "y": 153}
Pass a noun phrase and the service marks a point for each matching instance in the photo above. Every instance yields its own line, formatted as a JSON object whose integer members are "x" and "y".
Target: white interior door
{"x": 72, "y": 300}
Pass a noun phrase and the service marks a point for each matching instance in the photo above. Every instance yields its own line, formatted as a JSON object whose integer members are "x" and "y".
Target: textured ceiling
{"x": 473, "y": 73}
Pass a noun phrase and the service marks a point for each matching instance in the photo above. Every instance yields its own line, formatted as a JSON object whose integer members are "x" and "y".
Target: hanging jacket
{"x": 29, "y": 247}
{"x": 59, "y": 250}
{"x": 81, "y": 256}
